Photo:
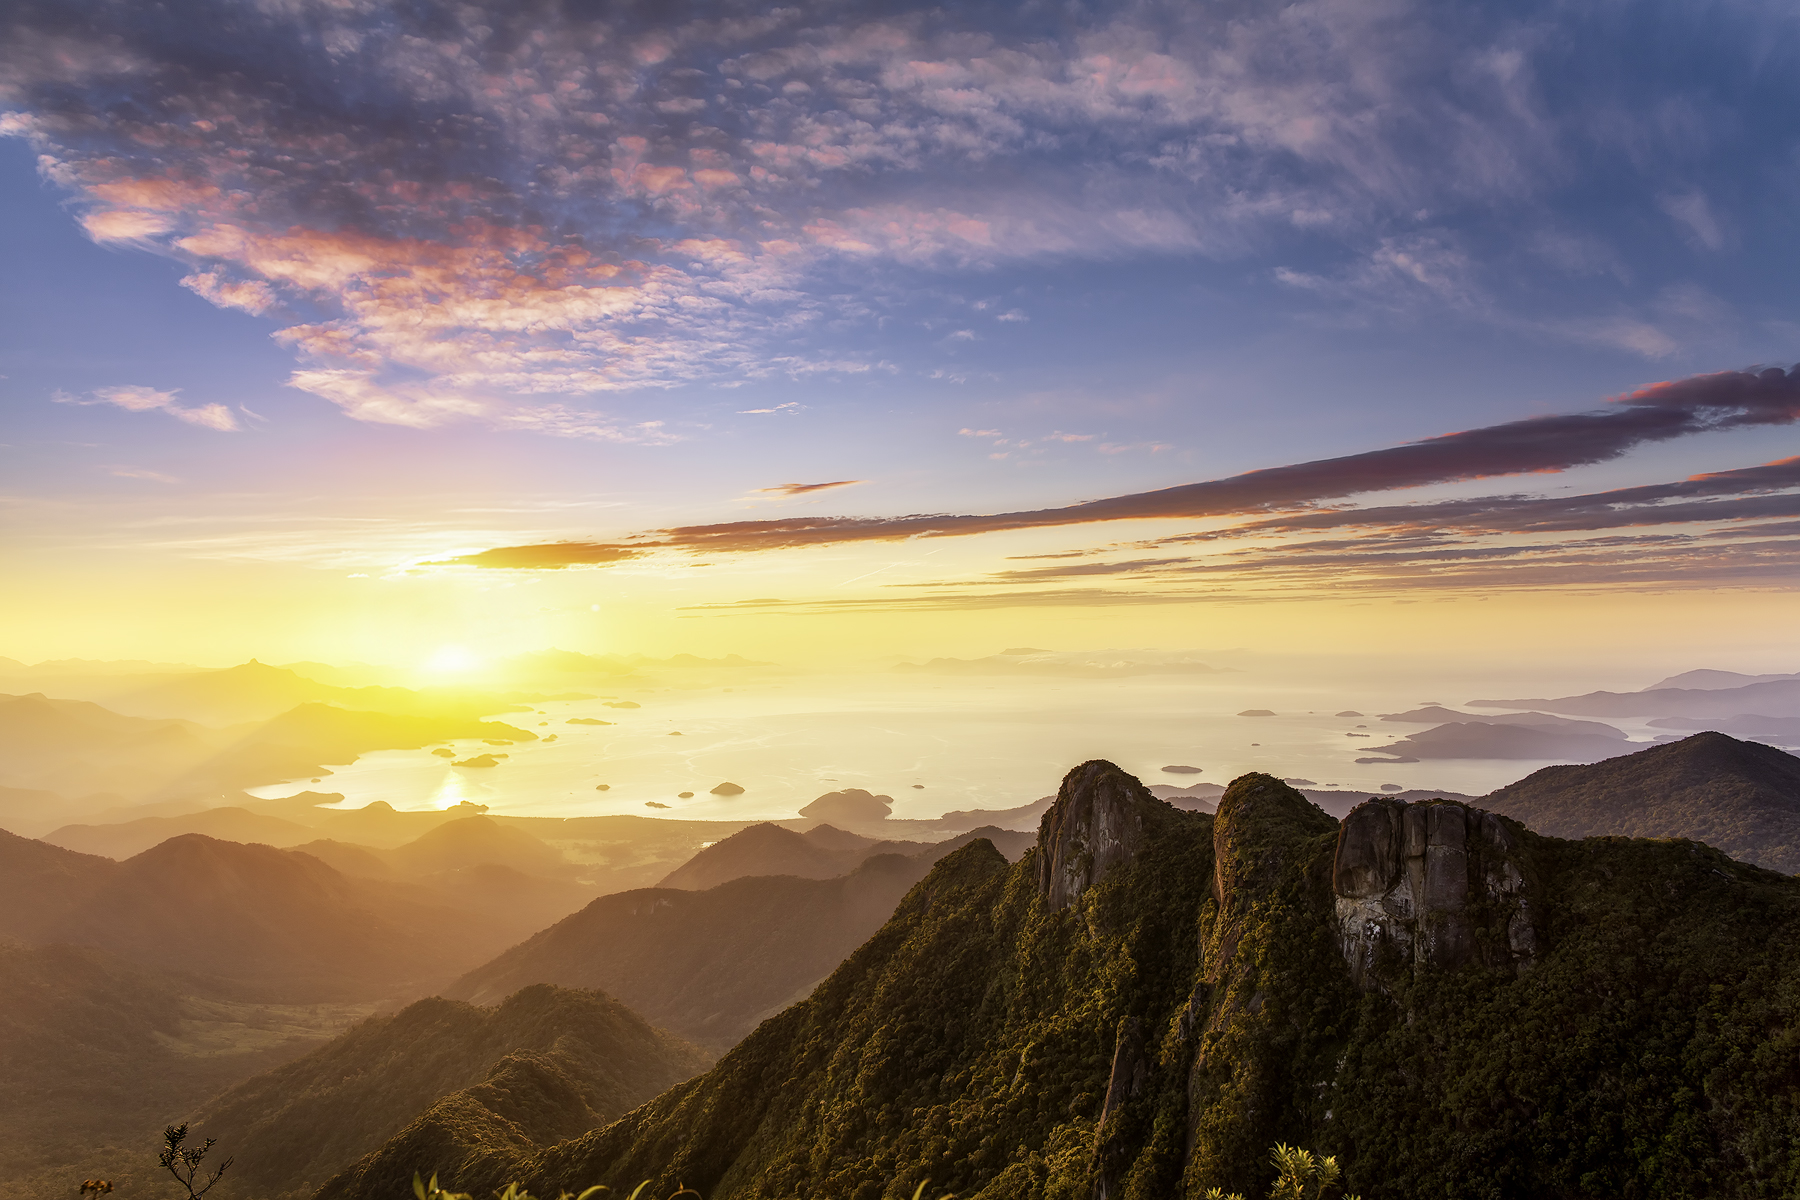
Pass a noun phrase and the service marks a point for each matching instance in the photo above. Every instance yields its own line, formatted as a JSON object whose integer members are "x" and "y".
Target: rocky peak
{"x": 1097, "y": 823}
{"x": 1413, "y": 882}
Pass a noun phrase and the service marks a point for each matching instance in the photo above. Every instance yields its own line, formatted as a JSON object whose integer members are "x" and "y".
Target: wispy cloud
{"x": 133, "y": 398}
{"x": 511, "y": 202}
{"x": 802, "y": 489}
{"x": 1662, "y": 412}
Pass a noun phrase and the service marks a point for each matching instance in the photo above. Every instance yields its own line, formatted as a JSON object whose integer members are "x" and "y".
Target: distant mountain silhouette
{"x": 75, "y": 747}
{"x": 1715, "y": 679}
{"x": 707, "y": 965}
{"x": 473, "y": 841}
{"x": 822, "y": 852}
{"x": 1437, "y": 714}
{"x": 1778, "y": 731}
{"x": 260, "y": 922}
{"x": 1483, "y": 739}
{"x": 769, "y": 849}
{"x": 1773, "y": 698}
{"x": 1742, "y": 797}
{"x": 507, "y": 881}
{"x": 231, "y": 824}
{"x": 293, "y": 1128}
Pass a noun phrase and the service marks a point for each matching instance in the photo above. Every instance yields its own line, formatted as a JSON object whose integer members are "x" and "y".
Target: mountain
{"x": 822, "y": 852}
{"x": 764, "y": 849}
{"x": 1777, "y": 731}
{"x": 1742, "y": 797}
{"x": 293, "y": 1128}
{"x": 1152, "y": 999}
{"x": 230, "y": 823}
{"x": 473, "y": 841}
{"x": 707, "y": 965}
{"x": 515, "y": 882}
{"x": 1772, "y": 698}
{"x": 253, "y": 920}
{"x": 1434, "y": 714}
{"x": 508, "y": 883}
{"x": 1714, "y": 679}
{"x": 1487, "y": 739}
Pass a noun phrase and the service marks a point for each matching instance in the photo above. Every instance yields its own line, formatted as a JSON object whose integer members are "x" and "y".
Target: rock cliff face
{"x": 1097, "y": 823}
{"x": 1414, "y": 883}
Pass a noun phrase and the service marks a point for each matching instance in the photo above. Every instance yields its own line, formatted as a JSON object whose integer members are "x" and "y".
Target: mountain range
{"x": 1150, "y": 999}
{"x": 253, "y": 921}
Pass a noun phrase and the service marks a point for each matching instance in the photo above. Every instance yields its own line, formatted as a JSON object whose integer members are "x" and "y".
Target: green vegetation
{"x": 1156, "y": 1036}
{"x": 186, "y": 1163}
{"x": 1301, "y": 1175}
{"x": 1743, "y": 797}
{"x": 297, "y": 1126}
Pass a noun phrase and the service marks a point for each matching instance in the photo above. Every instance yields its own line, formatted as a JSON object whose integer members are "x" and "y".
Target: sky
{"x": 821, "y": 332}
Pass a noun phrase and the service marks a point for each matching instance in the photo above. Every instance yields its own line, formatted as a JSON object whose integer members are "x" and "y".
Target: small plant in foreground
{"x": 184, "y": 1162}
{"x": 1303, "y": 1176}
{"x": 431, "y": 1191}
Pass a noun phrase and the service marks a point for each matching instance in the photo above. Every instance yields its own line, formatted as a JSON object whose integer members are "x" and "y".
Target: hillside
{"x": 98, "y": 1054}
{"x": 1151, "y": 999}
{"x": 293, "y": 1128}
{"x": 1742, "y": 797}
{"x": 706, "y": 965}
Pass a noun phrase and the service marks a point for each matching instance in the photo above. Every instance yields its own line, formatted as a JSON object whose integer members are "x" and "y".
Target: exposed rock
{"x": 1097, "y": 823}
{"x": 480, "y": 760}
{"x": 1257, "y": 712}
{"x": 727, "y": 789}
{"x": 1414, "y": 881}
{"x": 1130, "y": 1077}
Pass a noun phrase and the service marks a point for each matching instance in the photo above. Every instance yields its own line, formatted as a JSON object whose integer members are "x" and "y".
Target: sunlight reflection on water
{"x": 971, "y": 743}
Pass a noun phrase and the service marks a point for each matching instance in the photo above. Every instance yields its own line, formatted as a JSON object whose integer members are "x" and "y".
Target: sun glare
{"x": 451, "y": 660}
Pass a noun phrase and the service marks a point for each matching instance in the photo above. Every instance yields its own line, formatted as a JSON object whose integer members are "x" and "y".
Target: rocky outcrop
{"x": 1129, "y": 1079}
{"x": 1415, "y": 884}
{"x": 1097, "y": 823}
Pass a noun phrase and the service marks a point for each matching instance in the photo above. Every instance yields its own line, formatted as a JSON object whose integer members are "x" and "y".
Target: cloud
{"x": 141, "y": 473}
{"x": 792, "y": 408}
{"x": 801, "y": 489}
{"x": 549, "y": 556}
{"x": 133, "y": 398}
{"x": 1540, "y": 445}
{"x": 470, "y": 207}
